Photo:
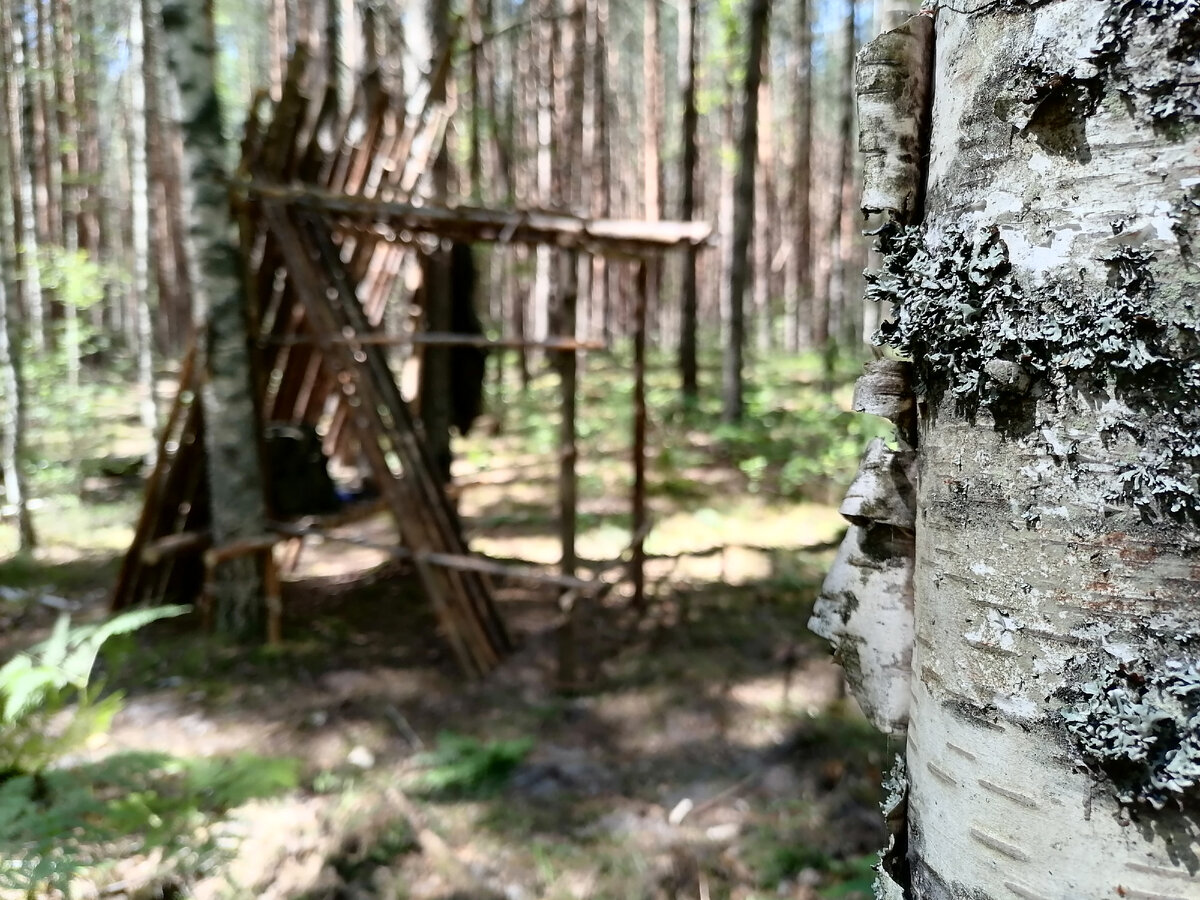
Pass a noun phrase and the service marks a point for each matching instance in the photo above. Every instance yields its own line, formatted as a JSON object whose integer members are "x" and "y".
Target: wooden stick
{"x": 243, "y": 547}
{"x": 273, "y": 598}
{"x": 440, "y": 339}
{"x": 175, "y": 544}
{"x": 568, "y": 481}
{"x": 637, "y": 566}
{"x": 619, "y": 237}
{"x": 456, "y": 561}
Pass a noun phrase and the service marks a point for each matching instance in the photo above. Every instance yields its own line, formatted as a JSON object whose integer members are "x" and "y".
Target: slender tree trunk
{"x": 140, "y": 203}
{"x": 231, "y": 421}
{"x": 743, "y": 214}
{"x": 651, "y": 114}
{"x": 764, "y": 224}
{"x": 174, "y": 317}
{"x": 603, "y": 182}
{"x": 67, "y": 120}
{"x": 544, "y": 75}
{"x": 12, "y": 381}
{"x": 27, "y": 160}
{"x": 89, "y": 129}
{"x": 798, "y": 325}
{"x": 48, "y": 177}
{"x": 689, "y": 29}
{"x": 835, "y": 285}
{"x": 435, "y": 371}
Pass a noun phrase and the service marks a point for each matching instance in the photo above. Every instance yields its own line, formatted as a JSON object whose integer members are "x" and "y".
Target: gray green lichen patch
{"x": 1151, "y": 52}
{"x": 893, "y": 880}
{"x": 1140, "y": 726}
{"x": 977, "y": 334}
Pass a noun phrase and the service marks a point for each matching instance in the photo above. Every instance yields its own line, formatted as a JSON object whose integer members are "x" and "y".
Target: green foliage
{"x": 787, "y": 447}
{"x": 1140, "y": 726}
{"x": 775, "y": 858}
{"x": 41, "y": 682}
{"x": 75, "y": 278}
{"x": 463, "y": 765}
{"x": 56, "y": 824}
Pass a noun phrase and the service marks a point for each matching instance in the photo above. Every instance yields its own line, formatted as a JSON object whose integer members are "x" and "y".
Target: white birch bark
{"x": 1050, "y": 306}
{"x": 140, "y": 204}
{"x": 231, "y": 422}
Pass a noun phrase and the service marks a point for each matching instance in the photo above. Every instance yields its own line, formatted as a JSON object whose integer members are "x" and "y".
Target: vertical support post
{"x": 568, "y": 453}
{"x": 646, "y": 282}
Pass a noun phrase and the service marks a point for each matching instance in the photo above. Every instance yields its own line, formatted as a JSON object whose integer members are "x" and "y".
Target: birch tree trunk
{"x": 1049, "y": 303}
{"x": 231, "y": 422}
{"x": 140, "y": 208}
{"x": 12, "y": 380}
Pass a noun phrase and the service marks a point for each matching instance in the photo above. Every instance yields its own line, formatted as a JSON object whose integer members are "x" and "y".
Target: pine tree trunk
{"x": 231, "y": 423}
{"x": 67, "y": 119}
{"x": 838, "y": 306}
{"x": 1049, "y": 303}
{"x": 798, "y": 328}
{"x": 743, "y": 215}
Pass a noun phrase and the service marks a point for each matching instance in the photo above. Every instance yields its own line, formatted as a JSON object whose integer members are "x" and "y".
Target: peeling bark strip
{"x": 1049, "y": 302}
{"x": 231, "y": 436}
{"x": 865, "y": 609}
{"x": 892, "y": 74}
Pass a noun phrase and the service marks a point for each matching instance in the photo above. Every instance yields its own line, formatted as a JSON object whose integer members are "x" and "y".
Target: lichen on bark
{"x": 1148, "y": 50}
{"x": 997, "y": 346}
{"x": 1139, "y": 724}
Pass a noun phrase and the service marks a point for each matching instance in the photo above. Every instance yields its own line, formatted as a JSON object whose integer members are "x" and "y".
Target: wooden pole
{"x": 637, "y": 567}
{"x": 445, "y": 339}
{"x": 568, "y": 484}
{"x": 400, "y": 221}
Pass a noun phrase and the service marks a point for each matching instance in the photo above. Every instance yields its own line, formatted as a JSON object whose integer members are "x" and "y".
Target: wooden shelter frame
{"x": 326, "y": 208}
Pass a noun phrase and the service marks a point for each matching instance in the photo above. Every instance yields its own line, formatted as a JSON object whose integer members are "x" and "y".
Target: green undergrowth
{"x": 55, "y": 825}
{"x": 798, "y": 439}
{"x": 464, "y": 766}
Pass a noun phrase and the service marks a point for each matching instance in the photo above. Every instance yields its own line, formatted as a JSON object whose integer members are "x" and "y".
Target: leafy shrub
{"x": 465, "y": 765}
{"x": 56, "y": 824}
{"x": 40, "y": 683}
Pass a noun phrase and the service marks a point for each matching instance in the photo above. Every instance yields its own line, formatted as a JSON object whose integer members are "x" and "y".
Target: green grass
{"x": 25, "y": 573}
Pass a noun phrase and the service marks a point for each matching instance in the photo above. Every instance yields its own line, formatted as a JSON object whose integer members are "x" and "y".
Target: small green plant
{"x": 44, "y": 680}
{"x": 61, "y": 823}
{"x": 462, "y": 765}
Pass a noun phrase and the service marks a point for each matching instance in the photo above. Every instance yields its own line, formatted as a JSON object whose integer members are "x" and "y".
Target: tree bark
{"x": 231, "y": 421}
{"x": 67, "y": 121}
{"x": 140, "y": 207}
{"x": 12, "y": 381}
{"x": 743, "y": 215}
{"x": 837, "y": 309}
{"x": 798, "y": 326}
{"x": 27, "y": 159}
{"x": 1048, "y": 303}
{"x": 435, "y": 370}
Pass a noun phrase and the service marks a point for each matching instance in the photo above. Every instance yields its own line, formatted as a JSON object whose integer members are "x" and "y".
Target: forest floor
{"x": 704, "y": 751}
